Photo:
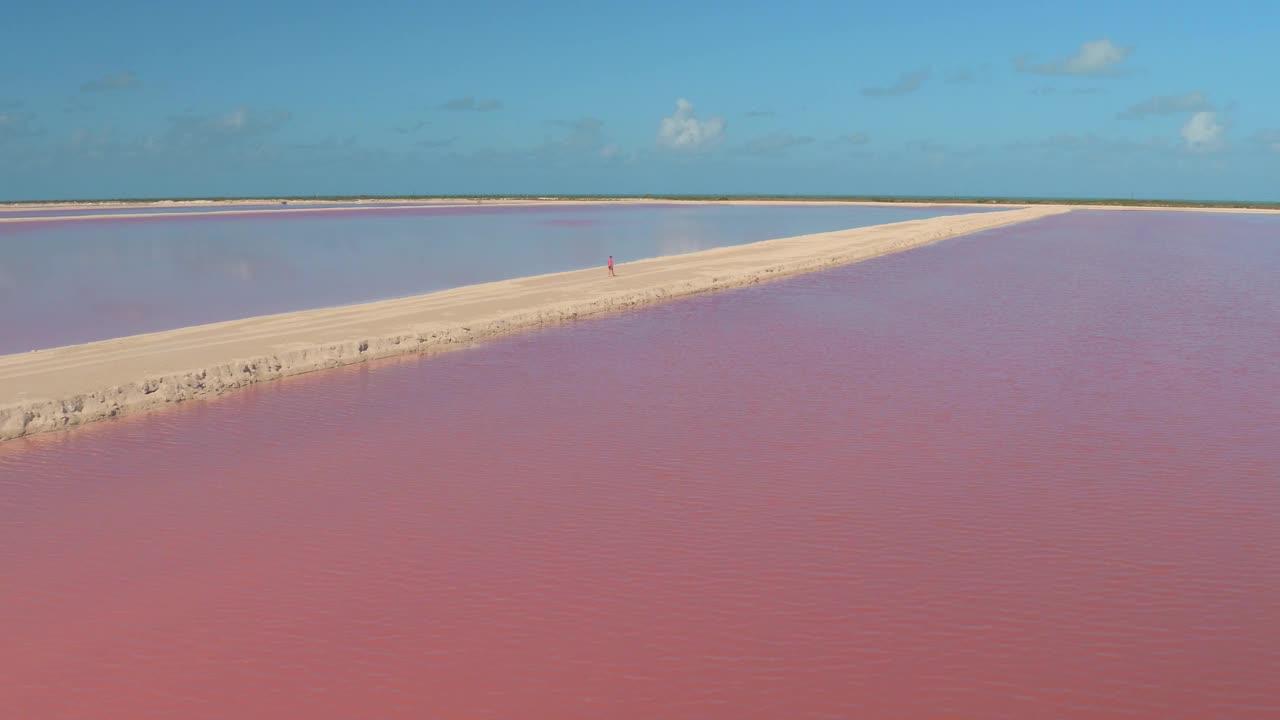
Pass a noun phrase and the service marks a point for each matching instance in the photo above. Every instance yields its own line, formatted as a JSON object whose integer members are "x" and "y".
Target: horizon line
{"x": 888, "y": 198}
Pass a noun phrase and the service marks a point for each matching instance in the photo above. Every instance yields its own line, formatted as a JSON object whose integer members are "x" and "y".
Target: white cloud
{"x": 1203, "y": 132}
{"x": 684, "y": 132}
{"x": 1168, "y": 105}
{"x": 1096, "y": 57}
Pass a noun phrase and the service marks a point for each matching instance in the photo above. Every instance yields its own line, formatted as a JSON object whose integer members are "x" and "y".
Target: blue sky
{"x": 1121, "y": 99}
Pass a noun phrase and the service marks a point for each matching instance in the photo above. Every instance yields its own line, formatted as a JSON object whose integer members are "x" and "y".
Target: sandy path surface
{"x": 63, "y": 387}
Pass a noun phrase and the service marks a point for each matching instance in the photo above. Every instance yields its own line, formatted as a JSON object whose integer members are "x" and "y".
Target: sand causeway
{"x": 64, "y": 387}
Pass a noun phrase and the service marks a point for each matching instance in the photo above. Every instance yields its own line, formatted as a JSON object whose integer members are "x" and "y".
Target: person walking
{"x": 611, "y": 267}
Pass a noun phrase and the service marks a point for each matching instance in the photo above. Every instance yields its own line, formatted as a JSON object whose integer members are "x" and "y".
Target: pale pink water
{"x": 64, "y": 282}
{"x": 1026, "y": 474}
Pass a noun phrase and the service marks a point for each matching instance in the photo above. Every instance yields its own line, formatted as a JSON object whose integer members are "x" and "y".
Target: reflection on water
{"x": 194, "y": 270}
{"x": 1024, "y": 474}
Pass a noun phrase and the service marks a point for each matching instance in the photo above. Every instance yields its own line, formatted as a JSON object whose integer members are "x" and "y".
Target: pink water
{"x": 1031, "y": 473}
{"x": 157, "y": 209}
{"x": 64, "y": 282}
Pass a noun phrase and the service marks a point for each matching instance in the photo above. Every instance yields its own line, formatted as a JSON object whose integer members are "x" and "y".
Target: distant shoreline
{"x": 237, "y": 205}
{"x": 894, "y": 199}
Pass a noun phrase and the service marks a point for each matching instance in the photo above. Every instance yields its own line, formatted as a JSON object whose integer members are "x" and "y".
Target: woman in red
{"x": 611, "y": 266}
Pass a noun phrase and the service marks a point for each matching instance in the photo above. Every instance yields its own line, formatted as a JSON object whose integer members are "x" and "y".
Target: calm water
{"x": 1025, "y": 474}
{"x": 170, "y": 209}
{"x": 69, "y": 282}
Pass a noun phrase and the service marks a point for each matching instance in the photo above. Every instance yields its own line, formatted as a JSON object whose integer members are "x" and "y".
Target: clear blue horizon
{"x": 1142, "y": 100}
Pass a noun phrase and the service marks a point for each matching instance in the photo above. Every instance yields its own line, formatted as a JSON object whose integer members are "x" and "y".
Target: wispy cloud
{"x": 1203, "y": 132}
{"x": 582, "y": 142}
{"x": 470, "y": 104}
{"x": 774, "y": 144}
{"x": 965, "y": 74}
{"x": 585, "y": 134}
{"x": 854, "y": 138}
{"x": 929, "y": 146}
{"x": 906, "y": 84}
{"x": 684, "y": 132}
{"x": 235, "y": 126}
{"x": 1099, "y": 58}
{"x": 1167, "y": 105}
{"x": 413, "y": 127}
{"x": 95, "y": 143}
{"x": 1269, "y": 138}
{"x": 1091, "y": 145}
{"x": 435, "y": 144}
{"x": 1044, "y": 90}
{"x": 15, "y": 125}
{"x": 76, "y": 104}
{"x": 937, "y": 153}
{"x": 111, "y": 82}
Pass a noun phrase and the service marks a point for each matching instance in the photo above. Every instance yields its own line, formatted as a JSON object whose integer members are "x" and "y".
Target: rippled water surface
{"x": 1031, "y": 473}
{"x": 72, "y": 281}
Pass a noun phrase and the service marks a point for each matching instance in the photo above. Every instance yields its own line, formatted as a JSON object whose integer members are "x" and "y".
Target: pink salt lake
{"x": 70, "y": 281}
{"x": 1030, "y": 473}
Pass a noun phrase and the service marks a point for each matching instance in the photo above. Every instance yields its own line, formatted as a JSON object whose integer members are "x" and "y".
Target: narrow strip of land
{"x": 69, "y": 386}
{"x": 173, "y": 211}
{"x": 150, "y": 213}
{"x": 147, "y": 208}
